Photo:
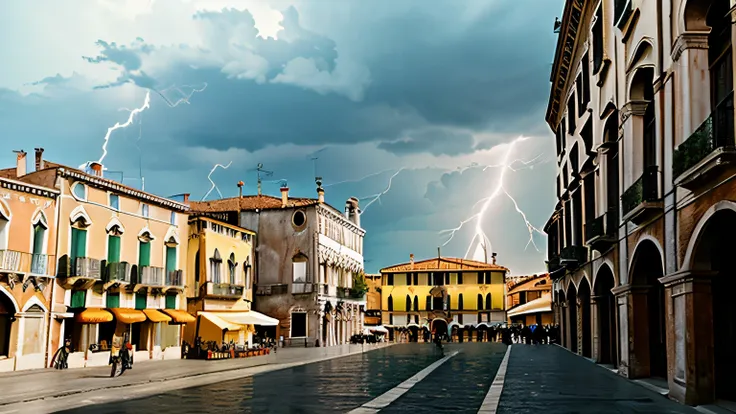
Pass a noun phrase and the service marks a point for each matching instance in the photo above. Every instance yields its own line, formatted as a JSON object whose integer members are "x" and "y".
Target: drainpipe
{"x": 59, "y": 199}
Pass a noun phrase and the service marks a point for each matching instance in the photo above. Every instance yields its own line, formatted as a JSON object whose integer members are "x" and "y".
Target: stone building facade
{"x": 307, "y": 253}
{"x": 641, "y": 104}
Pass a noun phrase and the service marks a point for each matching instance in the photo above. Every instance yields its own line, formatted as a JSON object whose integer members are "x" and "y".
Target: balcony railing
{"x": 268, "y": 290}
{"x": 175, "y": 278}
{"x": 343, "y": 293}
{"x": 225, "y": 290}
{"x": 11, "y": 261}
{"x": 302, "y": 288}
{"x": 712, "y": 138}
{"x": 118, "y": 272}
{"x": 21, "y": 262}
{"x": 150, "y": 276}
{"x": 644, "y": 190}
{"x": 572, "y": 256}
{"x": 601, "y": 231}
{"x": 80, "y": 267}
{"x": 622, "y": 11}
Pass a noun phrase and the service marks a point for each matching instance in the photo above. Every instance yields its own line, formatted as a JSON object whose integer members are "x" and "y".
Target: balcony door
{"x": 721, "y": 72}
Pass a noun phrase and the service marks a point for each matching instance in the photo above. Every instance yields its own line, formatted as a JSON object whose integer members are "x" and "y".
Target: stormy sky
{"x": 439, "y": 88}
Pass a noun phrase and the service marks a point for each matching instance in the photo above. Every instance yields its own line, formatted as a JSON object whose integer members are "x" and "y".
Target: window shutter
{"x": 79, "y": 243}
{"x": 113, "y": 249}
{"x": 78, "y": 298}
{"x": 170, "y": 259}
{"x": 38, "y": 235}
{"x": 140, "y": 300}
{"x": 113, "y": 300}
{"x": 144, "y": 254}
{"x": 170, "y": 301}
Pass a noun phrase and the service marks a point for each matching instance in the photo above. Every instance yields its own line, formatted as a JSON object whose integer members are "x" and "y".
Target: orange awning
{"x": 94, "y": 315}
{"x": 179, "y": 316}
{"x": 154, "y": 315}
{"x": 128, "y": 315}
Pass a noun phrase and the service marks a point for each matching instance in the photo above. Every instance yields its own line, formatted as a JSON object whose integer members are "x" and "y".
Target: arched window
{"x": 232, "y": 266}
{"x": 480, "y": 302}
{"x": 144, "y": 248}
{"x": 246, "y": 273}
{"x": 80, "y": 191}
{"x": 215, "y": 267}
{"x": 299, "y": 269}
{"x": 488, "y": 302}
{"x": 408, "y": 303}
{"x": 416, "y": 303}
{"x": 171, "y": 247}
{"x": 460, "y": 302}
{"x": 390, "y": 304}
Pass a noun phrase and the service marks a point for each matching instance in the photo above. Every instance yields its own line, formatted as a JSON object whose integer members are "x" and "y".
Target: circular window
{"x": 299, "y": 219}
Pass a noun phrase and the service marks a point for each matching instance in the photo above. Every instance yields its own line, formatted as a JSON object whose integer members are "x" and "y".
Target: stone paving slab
{"x": 550, "y": 379}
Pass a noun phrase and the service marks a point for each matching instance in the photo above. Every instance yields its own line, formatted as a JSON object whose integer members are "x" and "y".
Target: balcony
{"x": 343, "y": 293}
{"x": 553, "y": 263}
{"x": 21, "y": 263}
{"x": 302, "y": 288}
{"x": 269, "y": 290}
{"x": 149, "y": 277}
{"x": 79, "y": 273}
{"x": 174, "y": 279}
{"x": 641, "y": 201}
{"x": 116, "y": 274}
{"x": 706, "y": 152}
{"x": 573, "y": 256}
{"x": 600, "y": 233}
{"x": 224, "y": 290}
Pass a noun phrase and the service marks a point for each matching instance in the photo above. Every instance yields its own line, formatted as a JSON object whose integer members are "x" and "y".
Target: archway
{"x": 561, "y": 315}
{"x": 440, "y": 327}
{"x": 7, "y": 317}
{"x": 584, "y": 299}
{"x": 649, "y": 330}
{"x": 572, "y": 318}
{"x": 713, "y": 252}
{"x": 606, "y": 313}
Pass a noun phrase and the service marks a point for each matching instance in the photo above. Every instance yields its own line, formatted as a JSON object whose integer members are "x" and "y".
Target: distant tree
{"x": 360, "y": 287}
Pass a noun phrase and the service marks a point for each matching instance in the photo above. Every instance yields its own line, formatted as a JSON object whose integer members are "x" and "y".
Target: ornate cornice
{"x": 329, "y": 212}
{"x": 564, "y": 55}
{"x": 636, "y": 108}
{"x": 689, "y": 40}
{"x": 28, "y": 188}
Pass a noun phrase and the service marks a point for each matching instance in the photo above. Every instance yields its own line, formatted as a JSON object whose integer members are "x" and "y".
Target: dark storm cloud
{"x": 435, "y": 142}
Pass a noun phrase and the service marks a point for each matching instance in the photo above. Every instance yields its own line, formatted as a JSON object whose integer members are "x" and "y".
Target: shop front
{"x": 221, "y": 335}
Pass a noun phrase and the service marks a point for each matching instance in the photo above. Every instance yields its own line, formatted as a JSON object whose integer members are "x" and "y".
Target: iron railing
{"x": 118, "y": 272}
{"x": 22, "y": 262}
{"x": 86, "y": 267}
{"x": 151, "y": 276}
{"x": 225, "y": 290}
{"x": 714, "y": 133}
{"x": 643, "y": 190}
{"x": 175, "y": 278}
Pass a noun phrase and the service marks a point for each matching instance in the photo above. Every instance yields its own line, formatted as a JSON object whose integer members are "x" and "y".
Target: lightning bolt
{"x": 377, "y": 197}
{"x": 209, "y": 177}
{"x": 184, "y": 96}
{"x": 485, "y": 203}
{"x": 358, "y": 179}
{"x": 118, "y": 125}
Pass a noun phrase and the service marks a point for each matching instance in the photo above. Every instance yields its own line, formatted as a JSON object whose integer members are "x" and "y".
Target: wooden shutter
{"x": 140, "y": 300}
{"x": 38, "y": 235}
{"x": 78, "y": 298}
{"x": 113, "y": 249}
{"x": 79, "y": 243}
{"x": 170, "y": 259}
{"x": 144, "y": 254}
{"x": 113, "y": 300}
{"x": 170, "y": 301}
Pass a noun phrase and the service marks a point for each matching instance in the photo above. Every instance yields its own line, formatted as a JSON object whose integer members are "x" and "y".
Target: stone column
{"x": 633, "y": 328}
{"x": 690, "y": 363}
{"x": 595, "y": 317}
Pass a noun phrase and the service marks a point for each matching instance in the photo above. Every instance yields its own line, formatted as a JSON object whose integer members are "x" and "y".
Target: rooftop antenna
{"x": 265, "y": 173}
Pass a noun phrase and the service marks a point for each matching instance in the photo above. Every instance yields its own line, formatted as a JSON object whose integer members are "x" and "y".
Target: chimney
{"x": 347, "y": 209}
{"x": 186, "y": 198}
{"x": 240, "y": 189}
{"x": 96, "y": 168}
{"x": 411, "y": 260}
{"x": 354, "y": 211}
{"x": 320, "y": 190}
{"x": 20, "y": 166}
{"x": 39, "y": 159}
{"x": 493, "y": 258}
{"x": 284, "y": 196}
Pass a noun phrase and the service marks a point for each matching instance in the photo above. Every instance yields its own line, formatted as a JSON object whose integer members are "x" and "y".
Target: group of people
{"x": 535, "y": 334}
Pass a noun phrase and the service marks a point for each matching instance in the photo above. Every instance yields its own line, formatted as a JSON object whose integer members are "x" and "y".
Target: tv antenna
{"x": 261, "y": 173}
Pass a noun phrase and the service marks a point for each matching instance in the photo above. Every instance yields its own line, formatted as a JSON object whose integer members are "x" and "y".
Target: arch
{"x": 460, "y": 302}
{"x": 34, "y": 301}
{"x": 695, "y": 237}
{"x": 606, "y": 308}
{"x": 584, "y": 293}
{"x": 39, "y": 217}
{"x": 489, "y": 304}
{"x": 571, "y": 317}
{"x": 172, "y": 236}
{"x": 480, "y": 301}
{"x": 692, "y": 16}
{"x": 644, "y": 239}
{"x": 79, "y": 215}
{"x": 641, "y": 83}
{"x": 5, "y": 212}
{"x": 146, "y": 234}
{"x": 9, "y": 296}
{"x": 113, "y": 224}
{"x": 643, "y": 55}
{"x": 408, "y": 302}
{"x": 390, "y": 303}
{"x": 416, "y": 303}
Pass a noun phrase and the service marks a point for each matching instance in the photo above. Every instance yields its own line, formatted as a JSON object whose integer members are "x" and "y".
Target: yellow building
{"x": 221, "y": 263}
{"x": 373, "y": 300}
{"x": 119, "y": 264}
{"x": 529, "y": 300}
{"x": 442, "y": 295}
{"x": 27, "y": 266}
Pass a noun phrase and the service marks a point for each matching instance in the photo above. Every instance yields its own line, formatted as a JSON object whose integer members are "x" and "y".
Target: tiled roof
{"x": 443, "y": 263}
{"x": 519, "y": 282}
{"x": 261, "y": 202}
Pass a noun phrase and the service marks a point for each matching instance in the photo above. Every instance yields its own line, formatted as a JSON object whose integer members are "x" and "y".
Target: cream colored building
{"x": 642, "y": 107}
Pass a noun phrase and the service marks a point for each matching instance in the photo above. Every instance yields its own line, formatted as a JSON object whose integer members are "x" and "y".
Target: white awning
{"x": 241, "y": 318}
{"x": 539, "y": 305}
{"x": 379, "y": 329}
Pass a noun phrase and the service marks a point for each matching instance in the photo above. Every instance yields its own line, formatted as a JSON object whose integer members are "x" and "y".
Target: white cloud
{"x": 348, "y": 77}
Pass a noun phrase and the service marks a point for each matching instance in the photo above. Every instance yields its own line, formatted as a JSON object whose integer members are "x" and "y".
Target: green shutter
{"x": 170, "y": 301}
{"x": 113, "y": 300}
{"x": 113, "y": 249}
{"x": 38, "y": 235}
{"x": 79, "y": 243}
{"x": 144, "y": 254}
{"x": 140, "y": 300}
{"x": 78, "y": 298}
{"x": 170, "y": 259}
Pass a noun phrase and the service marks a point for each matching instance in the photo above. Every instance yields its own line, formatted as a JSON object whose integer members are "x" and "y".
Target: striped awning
{"x": 154, "y": 315}
{"x": 94, "y": 315}
{"x": 128, "y": 315}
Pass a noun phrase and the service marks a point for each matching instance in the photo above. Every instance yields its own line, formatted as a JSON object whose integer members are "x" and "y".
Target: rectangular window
{"x": 144, "y": 210}
{"x": 428, "y": 304}
{"x": 300, "y": 272}
{"x": 170, "y": 301}
{"x": 298, "y": 325}
{"x": 409, "y": 279}
{"x": 416, "y": 278}
{"x": 78, "y": 299}
{"x": 571, "y": 115}
{"x": 480, "y": 278}
{"x": 115, "y": 201}
{"x": 172, "y": 219}
{"x": 487, "y": 277}
{"x": 170, "y": 259}
{"x": 79, "y": 243}
{"x": 144, "y": 254}
{"x": 113, "y": 300}
{"x": 113, "y": 249}
{"x": 459, "y": 278}
{"x": 141, "y": 299}
{"x": 460, "y": 319}
{"x": 496, "y": 278}
{"x": 390, "y": 280}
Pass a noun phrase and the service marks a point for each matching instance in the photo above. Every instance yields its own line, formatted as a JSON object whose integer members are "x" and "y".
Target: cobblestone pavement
{"x": 550, "y": 379}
